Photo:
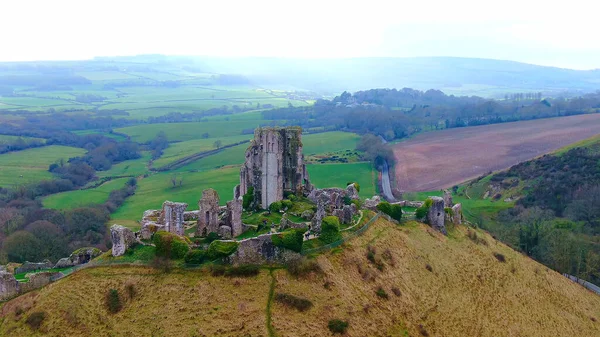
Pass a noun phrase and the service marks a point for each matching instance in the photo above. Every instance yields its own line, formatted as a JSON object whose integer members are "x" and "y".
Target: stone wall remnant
{"x": 171, "y": 217}
{"x": 436, "y": 215}
{"x": 448, "y": 198}
{"x": 274, "y": 164}
{"x": 80, "y": 256}
{"x": 122, "y": 238}
{"x": 372, "y": 203}
{"x": 33, "y": 266}
{"x": 457, "y": 214}
{"x": 208, "y": 220}
{"x": 233, "y": 217}
{"x": 260, "y": 250}
{"x": 9, "y": 287}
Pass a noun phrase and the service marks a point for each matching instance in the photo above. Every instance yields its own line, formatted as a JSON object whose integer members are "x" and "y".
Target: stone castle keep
{"x": 274, "y": 164}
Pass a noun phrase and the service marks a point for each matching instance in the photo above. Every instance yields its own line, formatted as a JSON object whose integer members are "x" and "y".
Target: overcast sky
{"x": 538, "y": 32}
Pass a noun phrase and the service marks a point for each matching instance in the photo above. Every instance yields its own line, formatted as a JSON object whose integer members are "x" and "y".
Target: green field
{"x": 80, "y": 198}
{"x": 188, "y": 131}
{"x": 338, "y": 175}
{"x": 155, "y": 189}
{"x": 176, "y": 151}
{"x": 131, "y": 168}
{"x": 231, "y": 156}
{"x": 326, "y": 142}
{"x": 7, "y": 139}
{"x": 100, "y": 132}
{"x": 31, "y": 165}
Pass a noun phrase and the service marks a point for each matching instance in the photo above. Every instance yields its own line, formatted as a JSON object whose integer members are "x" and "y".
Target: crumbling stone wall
{"x": 274, "y": 163}
{"x": 457, "y": 214}
{"x": 448, "y": 198}
{"x": 171, "y": 217}
{"x": 80, "y": 256}
{"x": 36, "y": 280}
{"x": 260, "y": 250}
{"x": 233, "y": 217}
{"x": 208, "y": 219}
{"x": 331, "y": 201}
{"x": 9, "y": 286}
{"x": 436, "y": 215}
{"x": 122, "y": 238}
{"x": 33, "y": 266}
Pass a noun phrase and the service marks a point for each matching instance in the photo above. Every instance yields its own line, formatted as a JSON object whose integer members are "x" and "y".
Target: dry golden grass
{"x": 468, "y": 292}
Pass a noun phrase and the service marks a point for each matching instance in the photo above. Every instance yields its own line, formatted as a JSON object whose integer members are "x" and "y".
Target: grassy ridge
{"x": 436, "y": 285}
{"x": 132, "y": 168}
{"x": 80, "y": 198}
{"x": 31, "y": 165}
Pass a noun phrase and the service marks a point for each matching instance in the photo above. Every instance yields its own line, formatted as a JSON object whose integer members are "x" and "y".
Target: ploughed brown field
{"x": 442, "y": 159}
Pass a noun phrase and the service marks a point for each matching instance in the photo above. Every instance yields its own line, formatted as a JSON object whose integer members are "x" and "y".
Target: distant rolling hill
{"x": 465, "y": 76}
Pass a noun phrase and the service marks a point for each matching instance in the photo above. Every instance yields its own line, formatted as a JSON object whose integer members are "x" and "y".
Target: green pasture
{"x": 338, "y": 175}
{"x": 231, "y": 156}
{"x": 176, "y": 151}
{"x": 81, "y": 198}
{"x": 155, "y": 189}
{"x": 99, "y": 132}
{"x": 130, "y": 168}
{"x": 326, "y": 142}
{"x": 8, "y": 139}
{"x": 31, "y": 165}
{"x": 188, "y": 131}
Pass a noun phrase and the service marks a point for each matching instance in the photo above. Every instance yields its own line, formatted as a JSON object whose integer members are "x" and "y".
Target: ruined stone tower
{"x": 208, "y": 219}
{"x": 274, "y": 164}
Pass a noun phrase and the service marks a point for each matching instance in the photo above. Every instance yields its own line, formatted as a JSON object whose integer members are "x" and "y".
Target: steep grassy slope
{"x": 437, "y": 286}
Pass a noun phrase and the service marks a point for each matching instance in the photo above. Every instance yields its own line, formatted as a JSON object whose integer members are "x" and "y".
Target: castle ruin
{"x": 274, "y": 164}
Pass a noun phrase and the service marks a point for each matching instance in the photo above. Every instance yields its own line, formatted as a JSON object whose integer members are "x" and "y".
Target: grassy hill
{"x": 431, "y": 286}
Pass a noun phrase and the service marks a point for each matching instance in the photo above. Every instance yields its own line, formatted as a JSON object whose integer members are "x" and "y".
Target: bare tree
{"x": 217, "y": 144}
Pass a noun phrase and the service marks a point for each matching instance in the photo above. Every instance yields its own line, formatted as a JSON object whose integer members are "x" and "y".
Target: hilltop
{"x": 464, "y": 284}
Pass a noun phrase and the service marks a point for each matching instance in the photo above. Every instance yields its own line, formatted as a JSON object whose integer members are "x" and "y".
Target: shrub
{"x": 396, "y": 291}
{"x": 217, "y": 270}
{"x": 292, "y": 239}
{"x": 500, "y": 257}
{"x": 286, "y": 204}
{"x": 357, "y": 203}
{"x": 220, "y": 249}
{"x": 303, "y": 267}
{"x": 381, "y": 293}
{"x": 422, "y": 211}
{"x": 195, "y": 256}
{"x": 170, "y": 245}
{"x": 385, "y": 207}
{"x": 130, "y": 289}
{"x": 35, "y": 319}
{"x": 275, "y": 207}
{"x": 162, "y": 263}
{"x": 337, "y": 326}
{"x": 248, "y": 198}
{"x": 212, "y": 236}
{"x": 347, "y": 200}
{"x": 113, "y": 301}
{"x": 298, "y": 303}
{"x": 428, "y": 267}
{"x": 244, "y": 270}
{"x": 330, "y": 229}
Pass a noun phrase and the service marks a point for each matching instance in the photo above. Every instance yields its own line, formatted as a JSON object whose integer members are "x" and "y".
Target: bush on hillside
{"x": 381, "y": 293}
{"x": 337, "y": 326}
{"x": 286, "y": 204}
{"x": 292, "y": 239}
{"x": 212, "y": 236}
{"x": 35, "y": 319}
{"x": 195, "y": 256}
{"x": 356, "y": 185}
{"x": 275, "y": 207}
{"x": 303, "y": 267}
{"x": 394, "y": 211}
{"x": 113, "y": 301}
{"x": 298, "y": 303}
{"x": 244, "y": 270}
{"x": 220, "y": 249}
{"x": 170, "y": 245}
{"x": 330, "y": 229}
{"x": 422, "y": 211}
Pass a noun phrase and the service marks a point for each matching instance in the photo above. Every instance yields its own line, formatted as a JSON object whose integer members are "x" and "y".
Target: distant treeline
{"x": 395, "y": 113}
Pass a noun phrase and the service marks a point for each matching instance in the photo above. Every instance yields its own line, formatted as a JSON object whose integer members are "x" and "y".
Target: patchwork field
{"x": 130, "y": 168}
{"x": 31, "y": 165}
{"x": 441, "y": 159}
{"x": 80, "y": 198}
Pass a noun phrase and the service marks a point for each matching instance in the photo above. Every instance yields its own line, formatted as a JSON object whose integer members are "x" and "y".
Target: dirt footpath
{"x": 441, "y": 159}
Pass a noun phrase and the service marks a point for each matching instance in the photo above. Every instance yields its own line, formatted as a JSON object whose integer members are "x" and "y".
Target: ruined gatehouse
{"x": 274, "y": 164}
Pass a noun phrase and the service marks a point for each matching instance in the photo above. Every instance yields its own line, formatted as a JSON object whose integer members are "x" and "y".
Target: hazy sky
{"x": 539, "y": 32}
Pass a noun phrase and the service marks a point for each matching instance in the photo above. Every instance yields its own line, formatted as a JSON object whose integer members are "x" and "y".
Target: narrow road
{"x": 385, "y": 179}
